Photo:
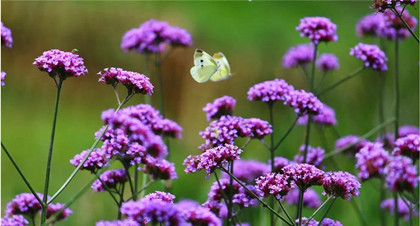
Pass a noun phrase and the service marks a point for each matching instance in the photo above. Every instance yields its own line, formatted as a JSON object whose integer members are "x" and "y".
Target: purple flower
{"x": 212, "y": 158}
{"x": 371, "y": 160}
{"x": 133, "y": 81}
{"x": 326, "y": 117}
{"x": 24, "y": 203}
{"x": 248, "y": 170}
{"x": 111, "y": 178}
{"x": 3, "y": 76}
{"x": 304, "y": 102}
{"x": 315, "y": 155}
{"x": 325, "y": 222}
{"x": 6, "y": 36}
{"x": 177, "y": 36}
{"x": 304, "y": 221}
{"x": 403, "y": 208}
{"x": 393, "y": 26}
{"x": 279, "y": 163}
{"x": 400, "y": 174}
{"x": 201, "y": 216}
{"x": 185, "y": 204}
{"x": 270, "y": 91}
{"x": 352, "y": 140}
{"x": 407, "y": 130}
{"x": 370, "y": 25}
{"x": 56, "y": 207}
{"x": 258, "y": 128}
{"x": 15, "y": 220}
{"x": 274, "y": 184}
{"x": 125, "y": 222}
{"x": 327, "y": 62}
{"x": 318, "y": 29}
{"x": 371, "y": 56}
{"x": 95, "y": 161}
{"x": 160, "y": 195}
{"x": 310, "y": 198}
{"x": 63, "y": 64}
{"x": 240, "y": 196}
{"x": 408, "y": 146}
{"x": 303, "y": 175}
{"x": 340, "y": 184}
{"x": 382, "y": 5}
{"x": 220, "y": 106}
{"x": 403, "y": 131}
{"x": 160, "y": 169}
{"x": 299, "y": 55}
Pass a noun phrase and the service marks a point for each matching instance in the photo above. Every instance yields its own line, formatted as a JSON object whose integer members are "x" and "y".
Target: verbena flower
{"x": 270, "y": 91}
{"x": 315, "y": 155}
{"x": 371, "y": 55}
{"x": 218, "y": 208}
{"x": 257, "y": 128}
{"x": 299, "y": 55}
{"x": 403, "y": 208}
{"x": 325, "y": 222}
{"x": 6, "y": 36}
{"x": 133, "y": 81}
{"x": 407, "y": 130}
{"x": 382, "y": 5}
{"x": 274, "y": 184}
{"x": 159, "y": 169}
{"x": 240, "y": 196}
{"x": 185, "y": 204}
{"x": 279, "y": 163}
{"x": 318, "y": 29}
{"x": 160, "y": 195}
{"x": 408, "y": 146}
{"x": 326, "y": 117}
{"x": 327, "y": 62}
{"x": 110, "y": 179}
{"x": 96, "y": 160}
{"x": 24, "y": 203}
{"x": 370, "y": 25}
{"x": 303, "y": 175}
{"x": 394, "y": 27}
{"x": 248, "y": 170}
{"x": 400, "y": 174}
{"x": 304, "y": 102}
{"x": 311, "y": 199}
{"x": 64, "y": 64}
{"x": 304, "y": 221}
{"x": 53, "y": 208}
{"x": 125, "y": 222}
{"x": 3, "y": 76}
{"x": 388, "y": 138}
{"x": 340, "y": 184}
{"x": 371, "y": 161}
{"x": 220, "y": 106}
{"x": 177, "y": 36}
{"x": 350, "y": 140}
{"x": 15, "y": 220}
{"x": 212, "y": 158}
{"x": 201, "y": 216}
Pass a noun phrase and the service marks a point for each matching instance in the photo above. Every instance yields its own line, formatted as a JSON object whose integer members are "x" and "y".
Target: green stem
{"x": 359, "y": 212}
{"x": 313, "y": 67}
{"x": 136, "y": 179}
{"x": 121, "y": 200}
{"x": 305, "y": 72}
{"x": 381, "y": 198}
{"x": 308, "y": 131}
{"x": 328, "y": 210}
{"x": 147, "y": 98}
{"x": 270, "y": 107}
{"x": 50, "y": 153}
{"x": 127, "y": 170}
{"x": 287, "y": 133}
{"x": 107, "y": 188}
{"x": 300, "y": 206}
{"x": 225, "y": 198}
{"x": 230, "y": 206}
{"x": 405, "y": 24}
{"x": 410, "y": 208}
{"x": 324, "y": 75}
{"x": 396, "y": 213}
{"x": 319, "y": 208}
{"x": 141, "y": 190}
{"x": 397, "y": 113}
{"x": 382, "y": 101}
{"x": 144, "y": 181}
{"x": 340, "y": 82}
{"x": 285, "y": 212}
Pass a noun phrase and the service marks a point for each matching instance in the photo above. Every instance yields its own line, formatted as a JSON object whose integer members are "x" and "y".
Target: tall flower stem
{"x": 270, "y": 107}
{"x": 230, "y": 206}
{"x": 130, "y": 181}
{"x": 313, "y": 67}
{"x": 308, "y": 131}
{"x": 300, "y": 206}
{"x": 147, "y": 98}
{"x": 381, "y": 198}
{"x": 405, "y": 24}
{"x": 50, "y": 152}
{"x": 340, "y": 82}
{"x": 285, "y": 212}
{"x": 145, "y": 186}
{"x": 286, "y": 134}
{"x": 326, "y": 212}
{"x": 107, "y": 189}
{"x": 121, "y": 200}
{"x": 410, "y": 208}
{"x": 359, "y": 212}
{"x": 158, "y": 70}
{"x": 319, "y": 208}
{"x": 382, "y": 101}
{"x": 397, "y": 116}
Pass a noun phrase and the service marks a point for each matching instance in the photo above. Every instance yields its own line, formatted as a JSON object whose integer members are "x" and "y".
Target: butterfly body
{"x": 207, "y": 67}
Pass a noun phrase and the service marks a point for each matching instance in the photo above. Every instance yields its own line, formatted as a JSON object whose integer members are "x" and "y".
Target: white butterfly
{"x": 206, "y": 67}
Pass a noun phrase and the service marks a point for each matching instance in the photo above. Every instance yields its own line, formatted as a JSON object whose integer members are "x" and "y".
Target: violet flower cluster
{"x": 371, "y": 161}
{"x": 382, "y": 5}
{"x": 96, "y": 160}
{"x": 303, "y": 175}
{"x": 224, "y": 105}
{"x": 326, "y": 117}
{"x": 15, "y": 220}
{"x": 394, "y": 27}
{"x": 160, "y": 195}
{"x": 304, "y": 102}
{"x": 370, "y": 25}
{"x": 6, "y": 36}
{"x": 3, "y": 76}
{"x": 327, "y": 62}
{"x": 275, "y": 184}
{"x": 403, "y": 208}
{"x": 311, "y": 199}
{"x": 340, "y": 184}
{"x": 109, "y": 179}
{"x": 401, "y": 174}
{"x": 270, "y": 91}
{"x": 133, "y": 81}
{"x": 125, "y": 222}
{"x": 279, "y": 163}
{"x": 325, "y": 222}
{"x": 408, "y": 146}
{"x": 355, "y": 143}
{"x": 371, "y": 55}
{"x": 299, "y": 55}
{"x": 318, "y": 29}
{"x": 314, "y": 155}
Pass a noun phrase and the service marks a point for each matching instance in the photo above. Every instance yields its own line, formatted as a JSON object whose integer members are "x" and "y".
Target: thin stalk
{"x": 340, "y": 82}
{"x": 158, "y": 69}
{"x": 33, "y": 219}
{"x": 285, "y": 212}
{"x": 405, "y": 24}
{"x": 121, "y": 201}
{"x": 308, "y": 131}
{"x": 21, "y": 174}
{"x": 287, "y": 133}
{"x": 381, "y": 198}
{"x": 324, "y": 75}
{"x": 50, "y": 153}
{"x": 264, "y": 204}
{"x": 305, "y": 72}
{"x": 117, "y": 95}
{"x": 410, "y": 208}
{"x": 382, "y": 101}
{"x": 359, "y": 213}
{"x": 136, "y": 178}
{"x": 313, "y": 67}
{"x": 107, "y": 188}
{"x": 141, "y": 190}
{"x": 225, "y": 198}
{"x": 130, "y": 181}
{"x": 396, "y": 213}
{"x": 336, "y": 132}
{"x": 300, "y": 206}
{"x": 328, "y": 210}
{"x": 270, "y": 107}
{"x": 319, "y": 208}
{"x": 397, "y": 116}
{"x": 147, "y": 98}
{"x": 325, "y": 144}
{"x": 230, "y": 206}
{"x": 144, "y": 181}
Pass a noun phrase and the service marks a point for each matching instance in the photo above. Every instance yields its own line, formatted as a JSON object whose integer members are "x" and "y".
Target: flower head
{"x": 274, "y": 184}
{"x": 6, "y": 36}
{"x": 341, "y": 184}
{"x": 160, "y": 195}
{"x": 326, "y": 117}
{"x": 133, "y": 81}
{"x": 270, "y": 91}
{"x": 371, "y": 56}
{"x": 304, "y": 102}
{"x": 382, "y": 5}
{"x": 407, "y": 130}
{"x": 64, "y": 64}
{"x": 318, "y": 29}
{"x": 315, "y": 155}
{"x": 248, "y": 170}
{"x": 327, "y": 62}
{"x": 325, "y": 222}
{"x": 96, "y": 160}
{"x": 177, "y": 36}
{"x": 160, "y": 169}
{"x": 371, "y": 161}
{"x": 394, "y": 27}
{"x": 109, "y": 179}
{"x": 303, "y": 175}
{"x": 3, "y": 76}
{"x": 14, "y": 220}
{"x": 299, "y": 55}
{"x": 240, "y": 196}
{"x": 310, "y": 198}
{"x": 408, "y": 146}
{"x": 221, "y": 106}
{"x": 257, "y": 128}
{"x": 370, "y": 25}
{"x": 401, "y": 175}
{"x": 201, "y": 216}
{"x": 24, "y": 203}
{"x": 56, "y": 207}
{"x": 403, "y": 208}
{"x": 279, "y": 163}
{"x": 355, "y": 142}
{"x": 125, "y": 222}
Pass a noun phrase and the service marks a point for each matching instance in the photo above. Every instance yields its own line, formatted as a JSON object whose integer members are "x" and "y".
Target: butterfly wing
{"x": 224, "y": 69}
{"x": 204, "y": 66}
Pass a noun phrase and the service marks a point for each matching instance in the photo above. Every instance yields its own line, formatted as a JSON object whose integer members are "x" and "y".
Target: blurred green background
{"x": 253, "y": 35}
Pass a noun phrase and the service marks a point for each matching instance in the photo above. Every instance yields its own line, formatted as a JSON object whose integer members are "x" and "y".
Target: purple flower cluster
{"x": 3, "y": 76}
{"x": 326, "y": 117}
{"x": 133, "y": 81}
{"x": 315, "y": 155}
{"x": 125, "y": 222}
{"x": 159, "y": 169}
{"x": 304, "y": 102}
{"x": 403, "y": 131}
{"x": 274, "y": 184}
{"x": 109, "y": 179}
{"x": 370, "y": 25}
{"x": 382, "y": 5}
{"x": 160, "y": 195}
{"x": 95, "y": 161}
{"x": 403, "y": 208}
{"x": 325, "y": 222}
{"x": 299, "y": 55}
{"x": 6, "y": 36}
{"x": 327, "y": 62}
{"x": 341, "y": 184}
{"x": 63, "y": 64}
{"x": 401, "y": 175}
{"x": 153, "y": 36}
{"x": 408, "y": 146}
{"x": 15, "y": 220}
{"x": 270, "y": 91}
{"x": 56, "y": 207}
{"x": 212, "y": 158}
{"x": 310, "y": 198}
{"x": 248, "y": 170}
{"x": 371, "y": 160}
{"x": 303, "y": 175}
{"x": 24, "y": 203}
{"x": 394, "y": 27}
{"x": 240, "y": 196}
{"x": 407, "y": 130}
{"x": 371, "y": 56}
{"x": 318, "y": 29}
{"x": 279, "y": 163}
{"x": 201, "y": 216}
{"x": 352, "y": 140}
{"x": 221, "y": 106}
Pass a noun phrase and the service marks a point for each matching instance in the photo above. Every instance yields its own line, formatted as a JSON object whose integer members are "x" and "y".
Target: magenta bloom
{"x": 53, "y": 208}
{"x": 326, "y": 117}
{"x": 240, "y": 196}
{"x": 177, "y": 36}
{"x": 403, "y": 208}
{"x": 125, "y": 222}
{"x": 248, "y": 170}
{"x": 352, "y": 140}
{"x": 299, "y": 55}
{"x": 315, "y": 155}
{"x": 304, "y": 175}
{"x": 63, "y": 64}
{"x": 318, "y": 29}
{"x": 6, "y": 36}
{"x": 310, "y": 198}
{"x": 15, "y": 220}
{"x": 400, "y": 174}
{"x": 371, "y": 161}
{"x": 274, "y": 184}
{"x": 159, "y": 169}
{"x": 160, "y": 195}
{"x": 201, "y": 216}
{"x": 279, "y": 163}
{"x": 96, "y": 160}
{"x": 325, "y": 222}
{"x": 382, "y": 5}
{"x": 220, "y": 106}
{"x": 3, "y": 76}
{"x": 407, "y": 130}
{"x": 408, "y": 146}
{"x": 270, "y": 91}
{"x": 304, "y": 102}
{"x": 327, "y": 62}
{"x": 133, "y": 81}
{"x": 212, "y": 158}
{"x": 370, "y": 25}
{"x": 111, "y": 178}
{"x": 257, "y": 128}
{"x": 24, "y": 203}
{"x": 340, "y": 184}
{"x": 371, "y": 55}
{"x": 393, "y": 26}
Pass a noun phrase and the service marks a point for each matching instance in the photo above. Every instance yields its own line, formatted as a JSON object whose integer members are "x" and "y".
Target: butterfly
{"x": 206, "y": 67}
